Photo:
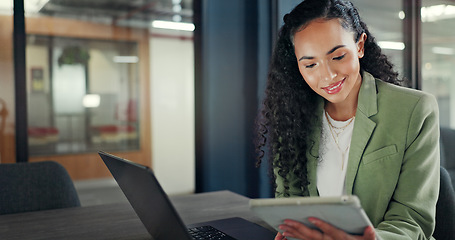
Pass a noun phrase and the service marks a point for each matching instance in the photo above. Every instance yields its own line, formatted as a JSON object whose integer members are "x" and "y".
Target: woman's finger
{"x": 368, "y": 234}
{"x": 279, "y": 236}
{"x": 328, "y": 229}
{"x": 298, "y": 230}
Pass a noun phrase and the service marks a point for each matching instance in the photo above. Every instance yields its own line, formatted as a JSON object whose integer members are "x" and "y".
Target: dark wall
{"x": 226, "y": 52}
{"x": 233, "y": 44}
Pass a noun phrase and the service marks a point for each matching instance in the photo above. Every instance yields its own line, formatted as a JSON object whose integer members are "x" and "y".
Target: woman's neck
{"x": 346, "y": 109}
{"x": 340, "y": 112}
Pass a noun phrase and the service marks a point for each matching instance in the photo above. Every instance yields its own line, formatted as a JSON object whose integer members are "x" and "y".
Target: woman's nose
{"x": 327, "y": 73}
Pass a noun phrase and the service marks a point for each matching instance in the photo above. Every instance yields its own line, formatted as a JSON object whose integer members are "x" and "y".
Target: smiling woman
{"x": 328, "y": 61}
{"x": 336, "y": 123}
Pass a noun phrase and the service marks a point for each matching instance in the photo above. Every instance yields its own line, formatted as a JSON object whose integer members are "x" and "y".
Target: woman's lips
{"x": 334, "y": 88}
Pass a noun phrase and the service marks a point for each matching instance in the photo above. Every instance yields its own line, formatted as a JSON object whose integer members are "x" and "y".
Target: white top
{"x": 331, "y": 170}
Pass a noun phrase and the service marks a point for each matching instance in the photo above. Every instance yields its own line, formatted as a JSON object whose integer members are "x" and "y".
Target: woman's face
{"x": 328, "y": 59}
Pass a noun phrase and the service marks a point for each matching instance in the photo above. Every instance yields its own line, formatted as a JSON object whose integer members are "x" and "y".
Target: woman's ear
{"x": 361, "y": 45}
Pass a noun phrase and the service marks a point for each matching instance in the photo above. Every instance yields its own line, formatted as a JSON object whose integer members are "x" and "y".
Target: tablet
{"x": 343, "y": 212}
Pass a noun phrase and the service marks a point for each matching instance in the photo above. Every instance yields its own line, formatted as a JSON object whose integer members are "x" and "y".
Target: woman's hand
{"x": 279, "y": 236}
{"x": 298, "y": 230}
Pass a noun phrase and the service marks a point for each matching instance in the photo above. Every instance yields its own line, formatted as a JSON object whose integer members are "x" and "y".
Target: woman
{"x": 336, "y": 123}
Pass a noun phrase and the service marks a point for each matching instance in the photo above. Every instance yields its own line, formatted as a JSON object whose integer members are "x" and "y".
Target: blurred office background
{"x": 175, "y": 84}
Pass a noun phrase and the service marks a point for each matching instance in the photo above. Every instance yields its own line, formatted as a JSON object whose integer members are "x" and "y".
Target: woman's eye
{"x": 339, "y": 57}
{"x": 310, "y": 65}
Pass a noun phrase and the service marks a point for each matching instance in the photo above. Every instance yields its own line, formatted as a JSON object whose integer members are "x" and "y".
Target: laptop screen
{"x": 147, "y": 198}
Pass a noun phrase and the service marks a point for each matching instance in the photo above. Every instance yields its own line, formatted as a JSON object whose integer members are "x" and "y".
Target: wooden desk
{"x": 119, "y": 221}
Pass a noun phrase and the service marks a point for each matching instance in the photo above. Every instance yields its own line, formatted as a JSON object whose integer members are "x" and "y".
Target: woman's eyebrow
{"x": 334, "y": 49}
{"x": 329, "y": 52}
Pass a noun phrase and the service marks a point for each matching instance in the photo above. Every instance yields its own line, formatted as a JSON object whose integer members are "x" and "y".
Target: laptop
{"x": 159, "y": 216}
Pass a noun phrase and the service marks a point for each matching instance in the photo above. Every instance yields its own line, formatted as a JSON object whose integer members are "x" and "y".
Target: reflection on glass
{"x": 438, "y": 56}
{"x": 6, "y": 7}
{"x": 6, "y": 80}
{"x": 384, "y": 21}
{"x": 82, "y": 95}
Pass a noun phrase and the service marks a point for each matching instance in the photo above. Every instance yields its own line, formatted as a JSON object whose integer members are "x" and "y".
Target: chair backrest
{"x": 447, "y": 153}
{"x": 448, "y": 142}
{"x": 35, "y": 186}
{"x": 445, "y": 209}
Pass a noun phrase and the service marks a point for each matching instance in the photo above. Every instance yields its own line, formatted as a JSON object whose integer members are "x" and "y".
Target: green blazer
{"x": 393, "y": 160}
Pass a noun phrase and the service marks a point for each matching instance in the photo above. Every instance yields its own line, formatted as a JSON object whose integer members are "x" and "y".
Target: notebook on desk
{"x": 159, "y": 216}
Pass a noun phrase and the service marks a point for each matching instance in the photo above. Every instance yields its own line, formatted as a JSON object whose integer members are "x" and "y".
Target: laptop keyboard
{"x": 208, "y": 233}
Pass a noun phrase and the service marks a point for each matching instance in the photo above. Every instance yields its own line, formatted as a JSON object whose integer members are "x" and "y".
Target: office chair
{"x": 445, "y": 209}
{"x": 35, "y": 186}
{"x": 447, "y": 144}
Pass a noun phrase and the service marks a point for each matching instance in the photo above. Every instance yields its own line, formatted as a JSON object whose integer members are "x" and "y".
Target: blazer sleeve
{"x": 412, "y": 209}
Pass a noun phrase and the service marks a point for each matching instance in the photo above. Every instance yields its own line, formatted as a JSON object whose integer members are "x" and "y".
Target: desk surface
{"x": 119, "y": 221}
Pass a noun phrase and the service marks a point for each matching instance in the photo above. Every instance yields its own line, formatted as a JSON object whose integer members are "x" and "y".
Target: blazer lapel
{"x": 363, "y": 127}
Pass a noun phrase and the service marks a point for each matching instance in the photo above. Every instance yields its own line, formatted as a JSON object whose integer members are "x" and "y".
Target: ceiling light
{"x": 34, "y": 6}
{"x": 391, "y": 45}
{"x": 173, "y": 25}
{"x": 437, "y": 12}
{"x": 177, "y": 18}
{"x": 6, "y": 6}
{"x": 443, "y": 50}
{"x": 401, "y": 15}
{"x": 177, "y": 8}
{"x": 126, "y": 59}
{"x": 91, "y": 101}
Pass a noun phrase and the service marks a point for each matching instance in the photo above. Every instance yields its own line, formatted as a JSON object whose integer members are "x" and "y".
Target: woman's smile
{"x": 334, "y": 88}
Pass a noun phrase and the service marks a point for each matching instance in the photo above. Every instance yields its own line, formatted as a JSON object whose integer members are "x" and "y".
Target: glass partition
{"x": 88, "y": 82}
{"x": 384, "y": 20}
{"x": 82, "y": 95}
{"x": 438, "y": 56}
{"x": 6, "y": 82}
{"x": 88, "y": 70}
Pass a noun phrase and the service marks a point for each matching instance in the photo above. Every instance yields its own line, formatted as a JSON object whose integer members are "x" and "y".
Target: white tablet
{"x": 344, "y": 212}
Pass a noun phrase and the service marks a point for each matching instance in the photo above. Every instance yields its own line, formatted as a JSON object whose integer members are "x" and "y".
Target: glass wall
{"x": 87, "y": 80}
{"x": 384, "y": 21}
{"x": 82, "y": 95}
{"x": 87, "y": 74}
{"x": 89, "y": 85}
{"x": 6, "y": 82}
{"x": 438, "y": 56}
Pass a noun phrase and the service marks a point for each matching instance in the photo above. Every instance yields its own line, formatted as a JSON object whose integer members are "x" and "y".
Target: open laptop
{"x": 159, "y": 216}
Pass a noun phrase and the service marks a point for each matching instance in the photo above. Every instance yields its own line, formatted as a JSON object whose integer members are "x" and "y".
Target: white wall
{"x": 172, "y": 113}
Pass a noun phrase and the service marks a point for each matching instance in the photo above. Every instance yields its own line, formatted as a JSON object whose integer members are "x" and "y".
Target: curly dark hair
{"x": 289, "y": 114}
